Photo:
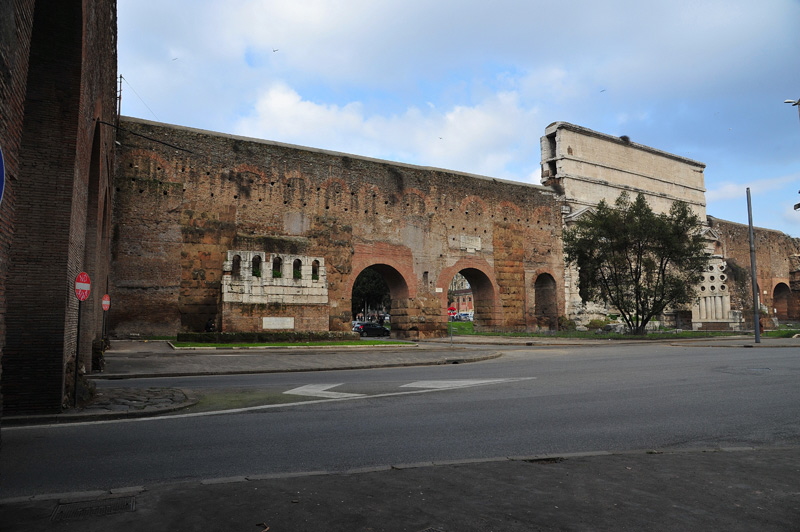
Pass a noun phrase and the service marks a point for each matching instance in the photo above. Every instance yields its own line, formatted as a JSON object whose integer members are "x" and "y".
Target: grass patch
{"x": 462, "y": 327}
{"x": 781, "y": 333}
{"x": 467, "y": 329}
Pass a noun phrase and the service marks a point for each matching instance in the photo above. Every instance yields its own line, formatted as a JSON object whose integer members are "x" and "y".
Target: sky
{"x": 470, "y": 86}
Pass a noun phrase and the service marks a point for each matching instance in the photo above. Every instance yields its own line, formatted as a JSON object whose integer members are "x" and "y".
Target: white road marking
{"x": 320, "y": 390}
{"x": 247, "y": 409}
{"x": 463, "y": 383}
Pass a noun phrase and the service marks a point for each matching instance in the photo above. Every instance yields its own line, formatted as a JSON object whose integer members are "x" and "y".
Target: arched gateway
{"x": 304, "y": 224}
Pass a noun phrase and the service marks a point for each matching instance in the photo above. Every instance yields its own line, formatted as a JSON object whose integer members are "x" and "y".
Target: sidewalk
{"x": 694, "y": 489}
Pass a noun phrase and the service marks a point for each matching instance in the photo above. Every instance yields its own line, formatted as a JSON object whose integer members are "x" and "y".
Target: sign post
{"x": 451, "y": 312}
{"x": 83, "y": 287}
{"x": 106, "y": 306}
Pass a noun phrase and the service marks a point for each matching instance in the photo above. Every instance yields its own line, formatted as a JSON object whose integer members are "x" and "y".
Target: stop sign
{"x": 83, "y": 285}
{"x": 451, "y": 311}
{"x": 106, "y": 302}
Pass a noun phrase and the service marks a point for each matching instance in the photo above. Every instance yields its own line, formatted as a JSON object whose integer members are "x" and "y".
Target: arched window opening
{"x": 297, "y": 269}
{"x": 546, "y": 304}
{"x": 781, "y": 297}
{"x": 277, "y": 267}
{"x": 315, "y": 270}
{"x": 236, "y": 268}
{"x": 257, "y": 266}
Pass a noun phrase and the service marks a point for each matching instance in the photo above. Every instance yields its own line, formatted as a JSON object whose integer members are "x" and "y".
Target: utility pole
{"x": 756, "y": 325}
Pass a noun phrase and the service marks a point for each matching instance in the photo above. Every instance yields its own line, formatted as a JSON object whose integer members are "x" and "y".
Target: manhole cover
{"x": 79, "y": 510}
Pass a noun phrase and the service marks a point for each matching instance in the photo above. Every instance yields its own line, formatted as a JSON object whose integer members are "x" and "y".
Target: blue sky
{"x": 470, "y": 86}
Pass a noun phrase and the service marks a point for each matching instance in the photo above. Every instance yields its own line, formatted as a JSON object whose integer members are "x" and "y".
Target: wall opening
{"x": 459, "y": 297}
{"x": 380, "y": 294}
{"x": 780, "y": 301}
{"x": 482, "y": 297}
{"x": 277, "y": 267}
{"x": 545, "y": 302}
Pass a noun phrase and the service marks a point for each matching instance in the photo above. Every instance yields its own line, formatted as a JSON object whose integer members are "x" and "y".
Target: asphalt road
{"x": 530, "y": 401}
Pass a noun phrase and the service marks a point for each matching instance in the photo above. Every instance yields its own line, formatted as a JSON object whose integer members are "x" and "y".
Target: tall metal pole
{"x": 77, "y": 354}
{"x": 756, "y": 325}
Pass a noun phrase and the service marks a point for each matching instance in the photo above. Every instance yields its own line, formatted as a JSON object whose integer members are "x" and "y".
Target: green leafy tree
{"x": 370, "y": 289}
{"x": 635, "y": 260}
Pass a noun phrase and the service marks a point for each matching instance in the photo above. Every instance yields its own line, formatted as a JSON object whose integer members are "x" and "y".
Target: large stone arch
{"x": 781, "y": 301}
{"x": 415, "y": 310}
{"x": 545, "y": 306}
{"x": 401, "y": 322}
{"x": 485, "y": 292}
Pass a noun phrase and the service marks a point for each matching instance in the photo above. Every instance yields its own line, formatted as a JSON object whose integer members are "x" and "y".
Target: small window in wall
{"x": 256, "y": 266}
{"x": 297, "y": 269}
{"x": 277, "y": 267}
{"x": 236, "y": 268}
{"x": 315, "y": 270}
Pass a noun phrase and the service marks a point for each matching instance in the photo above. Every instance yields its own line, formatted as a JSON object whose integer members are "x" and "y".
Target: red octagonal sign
{"x": 83, "y": 285}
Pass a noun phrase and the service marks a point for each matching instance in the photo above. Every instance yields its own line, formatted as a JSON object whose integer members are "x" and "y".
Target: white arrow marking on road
{"x": 444, "y": 385}
{"x": 317, "y": 389}
{"x": 320, "y": 390}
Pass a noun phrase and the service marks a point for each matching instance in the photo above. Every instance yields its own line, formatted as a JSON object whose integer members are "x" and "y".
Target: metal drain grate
{"x": 79, "y": 510}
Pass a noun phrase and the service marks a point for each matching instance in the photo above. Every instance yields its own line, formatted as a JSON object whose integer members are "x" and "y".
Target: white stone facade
{"x": 257, "y": 277}
{"x": 587, "y": 167}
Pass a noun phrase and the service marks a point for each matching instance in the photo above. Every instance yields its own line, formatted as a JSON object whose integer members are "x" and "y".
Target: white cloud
{"x": 726, "y": 191}
{"x": 487, "y": 138}
{"x": 704, "y": 79}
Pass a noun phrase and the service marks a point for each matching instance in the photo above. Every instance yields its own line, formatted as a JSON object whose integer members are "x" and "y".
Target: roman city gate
{"x": 259, "y": 235}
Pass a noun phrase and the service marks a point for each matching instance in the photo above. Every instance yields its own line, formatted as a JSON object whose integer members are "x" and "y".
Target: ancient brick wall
{"x": 61, "y": 196}
{"x": 16, "y": 23}
{"x": 185, "y": 197}
{"x": 777, "y": 261}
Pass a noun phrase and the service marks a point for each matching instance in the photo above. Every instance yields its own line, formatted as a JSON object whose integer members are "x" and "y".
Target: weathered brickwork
{"x": 16, "y": 23}
{"x": 179, "y": 211}
{"x": 60, "y": 157}
{"x": 154, "y": 220}
{"x": 777, "y": 262}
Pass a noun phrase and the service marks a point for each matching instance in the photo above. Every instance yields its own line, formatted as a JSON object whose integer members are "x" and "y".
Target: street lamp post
{"x": 795, "y": 103}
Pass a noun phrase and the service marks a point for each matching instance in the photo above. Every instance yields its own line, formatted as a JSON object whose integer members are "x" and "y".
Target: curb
{"x": 438, "y": 362}
{"x": 535, "y": 458}
{"x": 76, "y": 417}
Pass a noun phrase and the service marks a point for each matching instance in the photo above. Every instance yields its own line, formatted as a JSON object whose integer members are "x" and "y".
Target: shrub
{"x": 598, "y": 324}
{"x": 566, "y": 324}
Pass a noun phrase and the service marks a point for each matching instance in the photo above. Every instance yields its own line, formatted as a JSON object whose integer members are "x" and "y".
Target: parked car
{"x": 371, "y": 329}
